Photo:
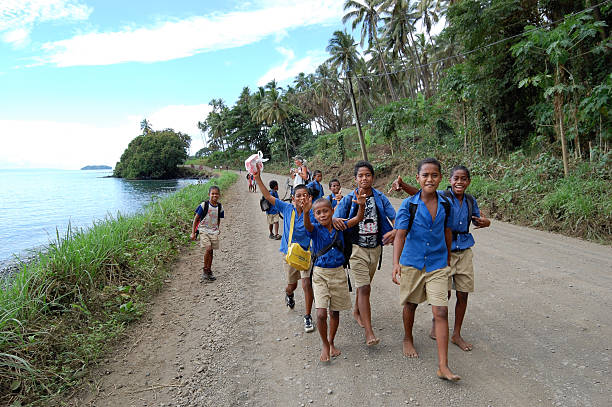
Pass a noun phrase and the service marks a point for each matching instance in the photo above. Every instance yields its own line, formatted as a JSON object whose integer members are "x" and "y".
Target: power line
{"x": 414, "y": 68}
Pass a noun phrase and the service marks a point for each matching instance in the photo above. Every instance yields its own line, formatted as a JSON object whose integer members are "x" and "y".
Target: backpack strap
{"x": 412, "y": 208}
{"x": 447, "y": 208}
{"x": 205, "y": 209}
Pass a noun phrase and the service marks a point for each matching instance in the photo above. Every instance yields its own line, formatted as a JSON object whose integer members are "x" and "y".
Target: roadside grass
{"x": 61, "y": 312}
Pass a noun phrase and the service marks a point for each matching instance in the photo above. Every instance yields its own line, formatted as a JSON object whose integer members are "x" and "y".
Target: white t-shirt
{"x": 210, "y": 223}
{"x": 298, "y": 179}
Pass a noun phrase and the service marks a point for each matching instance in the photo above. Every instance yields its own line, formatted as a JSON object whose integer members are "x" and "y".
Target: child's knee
{"x": 440, "y": 312}
{"x": 321, "y": 315}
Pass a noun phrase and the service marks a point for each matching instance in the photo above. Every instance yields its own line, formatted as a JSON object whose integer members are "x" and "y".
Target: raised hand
{"x": 361, "y": 198}
{"x": 397, "y": 184}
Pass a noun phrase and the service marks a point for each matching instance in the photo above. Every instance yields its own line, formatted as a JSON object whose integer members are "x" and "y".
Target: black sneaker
{"x": 308, "y": 326}
{"x": 289, "y": 300}
{"x": 271, "y": 236}
{"x": 207, "y": 278}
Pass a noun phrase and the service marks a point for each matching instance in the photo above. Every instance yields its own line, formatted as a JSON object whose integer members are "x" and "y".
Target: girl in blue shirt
{"x": 421, "y": 258}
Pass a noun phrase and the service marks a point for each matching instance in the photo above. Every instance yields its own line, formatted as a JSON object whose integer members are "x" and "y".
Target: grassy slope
{"x": 61, "y": 313}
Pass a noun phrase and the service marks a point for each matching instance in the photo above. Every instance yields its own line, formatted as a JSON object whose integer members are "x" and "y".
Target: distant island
{"x": 97, "y": 167}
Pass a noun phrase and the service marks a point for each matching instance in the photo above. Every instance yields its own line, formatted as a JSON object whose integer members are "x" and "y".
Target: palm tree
{"x": 343, "y": 50}
{"x": 145, "y": 126}
{"x": 366, "y": 14}
{"x": 273, "y": 109}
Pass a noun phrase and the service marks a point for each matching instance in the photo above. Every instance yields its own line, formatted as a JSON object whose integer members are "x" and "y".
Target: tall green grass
{"x": 59, "y": 313}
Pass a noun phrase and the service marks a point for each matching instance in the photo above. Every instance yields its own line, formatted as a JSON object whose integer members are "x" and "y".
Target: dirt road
{"x": 539, "y": 320}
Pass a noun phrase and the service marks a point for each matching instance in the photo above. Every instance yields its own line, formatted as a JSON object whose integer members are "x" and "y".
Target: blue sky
{"x": 78, "y": 76}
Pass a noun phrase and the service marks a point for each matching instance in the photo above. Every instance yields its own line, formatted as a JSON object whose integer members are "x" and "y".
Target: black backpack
{"x": 470, "y": 201}
{"x": 205, "y": 212}
{"x": 264, "y": 204}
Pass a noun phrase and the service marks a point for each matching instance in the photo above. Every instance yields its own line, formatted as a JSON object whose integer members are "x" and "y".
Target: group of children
{"x": 431, "y": 250}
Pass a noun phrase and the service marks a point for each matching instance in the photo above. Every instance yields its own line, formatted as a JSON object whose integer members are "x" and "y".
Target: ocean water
{"x": 36, "y": 203}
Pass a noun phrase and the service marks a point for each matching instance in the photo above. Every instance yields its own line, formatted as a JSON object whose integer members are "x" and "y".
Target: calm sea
{"x": 34, "y": 203}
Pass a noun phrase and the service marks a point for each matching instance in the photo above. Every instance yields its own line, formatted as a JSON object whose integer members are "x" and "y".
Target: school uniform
{"x": 299, "y": 236}
{"x": 316, "y": 186}
{"x": 367, "y": 235}
{"x": 209, "y": 224}
{"x": 424, "y": 258}
{"x": 329, "y": 282}
{"x": 461, "y": 263}
{"x": 272, "y": 214}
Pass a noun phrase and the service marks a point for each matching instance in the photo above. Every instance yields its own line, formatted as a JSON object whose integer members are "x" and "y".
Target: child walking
{"x": 207, "y": 220}
{"x": 272, "y": 213}
{"x": 300, "y": 196}
{"x": 421, "y": 256}
{"x": 329, "y": 281}
{"x": 465, "y": 211}
{"x": 315, "y": 187}
{"x": 367, "y": 239}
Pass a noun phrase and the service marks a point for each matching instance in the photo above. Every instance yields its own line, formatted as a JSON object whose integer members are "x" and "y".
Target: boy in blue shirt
{"x": 421, "y": 257}
{"x": 329, "y": 281}
{"x": 272, "y": 214}
{"x": 465, "y": 210}
{"x": 336, "y": 193}
{"x": 300, "y": 196}
{"x": 315, "y": 187}
{"x": 368, "y": 237}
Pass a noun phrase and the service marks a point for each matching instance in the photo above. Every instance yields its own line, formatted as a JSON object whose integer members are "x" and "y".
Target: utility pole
{"x": 364, "y": 153}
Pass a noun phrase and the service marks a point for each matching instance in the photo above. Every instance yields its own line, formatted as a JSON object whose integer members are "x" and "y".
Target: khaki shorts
{"x": 364, "y": 262}
{"x": 462, "y": 271}
{"x": 330, "y": 288}
{"x": 208, "y": 240}
{"x": 272, "y": 219}
{"x": 293, "y": 275}
{"x": 416, "y": 286}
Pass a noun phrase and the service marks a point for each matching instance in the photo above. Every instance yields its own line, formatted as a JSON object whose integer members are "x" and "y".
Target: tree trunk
{"x": 558, "y": 104}
{"x": 286, "y": 145}
{"x": 364, "y": 153}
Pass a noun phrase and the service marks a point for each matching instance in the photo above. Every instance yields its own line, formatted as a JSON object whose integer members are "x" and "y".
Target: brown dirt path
{"x": 539, "y": 320}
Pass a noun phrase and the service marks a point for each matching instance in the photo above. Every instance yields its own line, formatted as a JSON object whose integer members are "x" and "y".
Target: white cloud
{"x": 290, "y": 67}
{"x": 18, "y": 17}
{"x": 183, "y": 38}
{"x": 71, "y": 145}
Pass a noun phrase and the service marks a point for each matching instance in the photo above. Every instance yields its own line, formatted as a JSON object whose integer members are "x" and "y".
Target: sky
{"x": 78, "y": 76}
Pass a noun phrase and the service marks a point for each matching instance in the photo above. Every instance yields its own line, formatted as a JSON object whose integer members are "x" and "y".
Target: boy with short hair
{"x": 207, "y": 220}
{"x": 300, "y": 236}
{"x": 336, "y": 192}
{"x": 329, "y": 281}
{"x": 272, "y": 214}
{"x": 367, "y": 239}
{"x": 421, "y": 258}
{"x": 315, "y": 187}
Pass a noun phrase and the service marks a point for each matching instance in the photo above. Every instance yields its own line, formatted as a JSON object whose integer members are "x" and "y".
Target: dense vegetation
{"x": 509, "y": 87}
{"x": 153, "y": 155}
{"x": 59, "y": 314}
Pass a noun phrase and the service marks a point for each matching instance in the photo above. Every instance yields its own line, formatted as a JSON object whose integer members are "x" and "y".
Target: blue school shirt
{"x": 385, "y": 211}
{"x": 273, "y": 210}
{"x": 460, "y": 222}
{"x": 299, "y": 231}
{"x": 315, "y": 185}
{"x": 321, "y": 237}
{"x": 333, "y": 200}
{"x": 425, "y": 246}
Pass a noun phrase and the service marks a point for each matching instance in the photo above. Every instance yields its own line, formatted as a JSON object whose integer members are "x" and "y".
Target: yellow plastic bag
{"x": 297, "y": 257}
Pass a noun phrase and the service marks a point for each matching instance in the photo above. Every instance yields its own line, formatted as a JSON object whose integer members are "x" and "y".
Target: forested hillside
{"x": 519, "y": 90}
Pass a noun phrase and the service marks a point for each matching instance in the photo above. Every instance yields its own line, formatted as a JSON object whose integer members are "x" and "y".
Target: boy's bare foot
{"x": 371, "y": 341}
{"x": 409, "y": 350}
{"x": 446, "y": 374}
{"x": 335, "y": 352}
{"x": 463, "y": 345}
{"x": 324, "y": 354}
{"x": 357, "y": 318}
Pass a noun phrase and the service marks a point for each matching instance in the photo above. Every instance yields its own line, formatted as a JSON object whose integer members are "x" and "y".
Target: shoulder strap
{"x": 469, "y": 199}
{"x": 330, "y": 197}
{"x": 412, "y": 208}
{"x": 291, "y": 227}
{"x": 447, "y": 209}
{"x": 205, "y": 209}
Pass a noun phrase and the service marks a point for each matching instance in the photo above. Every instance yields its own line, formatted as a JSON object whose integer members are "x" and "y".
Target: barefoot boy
{"x": 328, "y": 276}
{"x": 368, "y": 237}
{"x": 207, "y": 220}
{"x": 421, "y": 256}
{"x": 465, "y": 210}
{"x": 299, "y": 236}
